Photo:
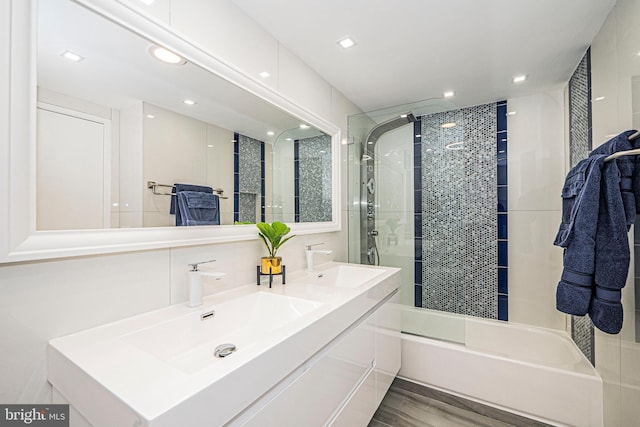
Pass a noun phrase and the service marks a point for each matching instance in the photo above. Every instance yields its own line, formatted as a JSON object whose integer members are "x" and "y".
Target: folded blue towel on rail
{"x": 198, "y": 208}
{"x": 184, "y": 187}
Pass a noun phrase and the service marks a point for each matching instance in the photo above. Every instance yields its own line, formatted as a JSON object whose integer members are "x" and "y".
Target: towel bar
{"x": 152, "y": 186}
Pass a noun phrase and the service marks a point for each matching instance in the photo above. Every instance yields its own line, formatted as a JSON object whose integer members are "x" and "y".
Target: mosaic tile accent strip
{"x": 580, "y": 144}
{"x": 263, "y": 192}
{"x": 247, "y": 211}
{"x": 580, "y": 139}
{"x": 417, "y": 200}
{"x": 248, "y": 178}
{"x": 460, "y": 251}
{"x": 502, "y": 223}
{"x": 296, "y": 181}
{"x": 313, "y": 179}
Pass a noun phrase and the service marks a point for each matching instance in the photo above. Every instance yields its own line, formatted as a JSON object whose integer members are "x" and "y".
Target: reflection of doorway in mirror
{"x": 73, "y": 170}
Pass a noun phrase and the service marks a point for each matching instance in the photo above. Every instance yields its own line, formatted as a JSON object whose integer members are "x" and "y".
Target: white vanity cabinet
{"x": 345, "y": 384}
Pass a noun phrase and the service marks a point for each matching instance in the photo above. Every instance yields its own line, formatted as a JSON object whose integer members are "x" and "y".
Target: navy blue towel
{"x": 580, "y": 205}
{"x": 598, "y": 207}
{"x": 612, "y": 252}
{"x": 184, "y": 187}
{"x": 629, "y": 180}
{"x": 198, "y": 208}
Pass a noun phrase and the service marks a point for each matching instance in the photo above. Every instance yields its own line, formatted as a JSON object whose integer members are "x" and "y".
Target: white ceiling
{"x": 410, "y": 50}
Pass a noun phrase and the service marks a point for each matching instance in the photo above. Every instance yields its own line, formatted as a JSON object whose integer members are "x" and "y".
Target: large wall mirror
{"x": 118, "y": 124}
{"x": 114, "y": 124}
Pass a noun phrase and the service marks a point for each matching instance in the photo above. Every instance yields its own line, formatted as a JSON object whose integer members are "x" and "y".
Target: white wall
{"x": 42, "y": 300}
{"x": 614, "y": 62}
{"x": 535, "y": 150}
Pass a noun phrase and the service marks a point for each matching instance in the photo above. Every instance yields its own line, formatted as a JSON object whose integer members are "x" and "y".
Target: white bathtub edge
{"x": 523, "y": 388}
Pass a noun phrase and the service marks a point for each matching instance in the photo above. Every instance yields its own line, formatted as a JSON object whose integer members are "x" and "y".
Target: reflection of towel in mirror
{"x": 198, "y": 208}
{"x": 184, "y": 187}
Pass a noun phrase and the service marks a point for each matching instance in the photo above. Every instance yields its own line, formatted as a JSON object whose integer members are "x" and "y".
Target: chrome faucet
{"x": 310, "y": 253}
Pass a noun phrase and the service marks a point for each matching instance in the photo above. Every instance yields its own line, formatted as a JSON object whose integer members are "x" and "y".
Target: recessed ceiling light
{"x": 270, "y": 133}
{"x": 71, "y": 56}
{"x": 449, "y": 94}
{"x": 288, "y": 139}
{"x": 264, "y": 74}
{"x": 210, "y": 145}
{"x": 303, "y": 126}
{"x": 448, "y": 125}
{"x": 151, "y": 116}
{"x": 346, "y": 42}
{"x": 519, "y": 79}
{"x": 189, "y": 102}
{"x": 166, "y": 56}
{"x": 600, "y": 98}
{"x": 404, "y": 116}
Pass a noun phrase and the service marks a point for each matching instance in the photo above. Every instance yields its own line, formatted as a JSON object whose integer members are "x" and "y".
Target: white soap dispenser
{"x": 195, "y": 282}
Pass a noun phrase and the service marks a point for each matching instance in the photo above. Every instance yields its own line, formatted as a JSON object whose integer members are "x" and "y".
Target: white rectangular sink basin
{"x": 158, "y": 369}
{"x": 188, "y": 342}
{"x": 346, "y": 276}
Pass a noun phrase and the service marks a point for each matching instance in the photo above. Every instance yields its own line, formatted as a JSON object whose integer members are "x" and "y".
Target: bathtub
{"x": 535, "y": 372}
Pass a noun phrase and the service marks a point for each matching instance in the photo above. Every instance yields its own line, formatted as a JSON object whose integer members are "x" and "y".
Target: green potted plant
{"x": 273, "y": 237}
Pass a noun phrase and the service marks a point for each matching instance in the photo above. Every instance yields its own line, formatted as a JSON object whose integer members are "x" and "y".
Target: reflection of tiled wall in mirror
{"x": 249, "y": 179}
{"x": 312, "y": 166}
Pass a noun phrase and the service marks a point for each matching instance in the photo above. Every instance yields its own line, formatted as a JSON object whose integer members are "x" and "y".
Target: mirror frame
{"x": 21, "y": 241}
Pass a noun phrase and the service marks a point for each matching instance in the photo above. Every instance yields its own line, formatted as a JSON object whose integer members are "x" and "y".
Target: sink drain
{"x": 224, "y": 350}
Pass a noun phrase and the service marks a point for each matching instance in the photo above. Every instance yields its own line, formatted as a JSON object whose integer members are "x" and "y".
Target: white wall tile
{"x": 535, "y": 266}
{"x": 536, "y": 151}
{"x": 615, "y": 63}
{"x": 604, "y": 82}
{"x": 43, "y": 300}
